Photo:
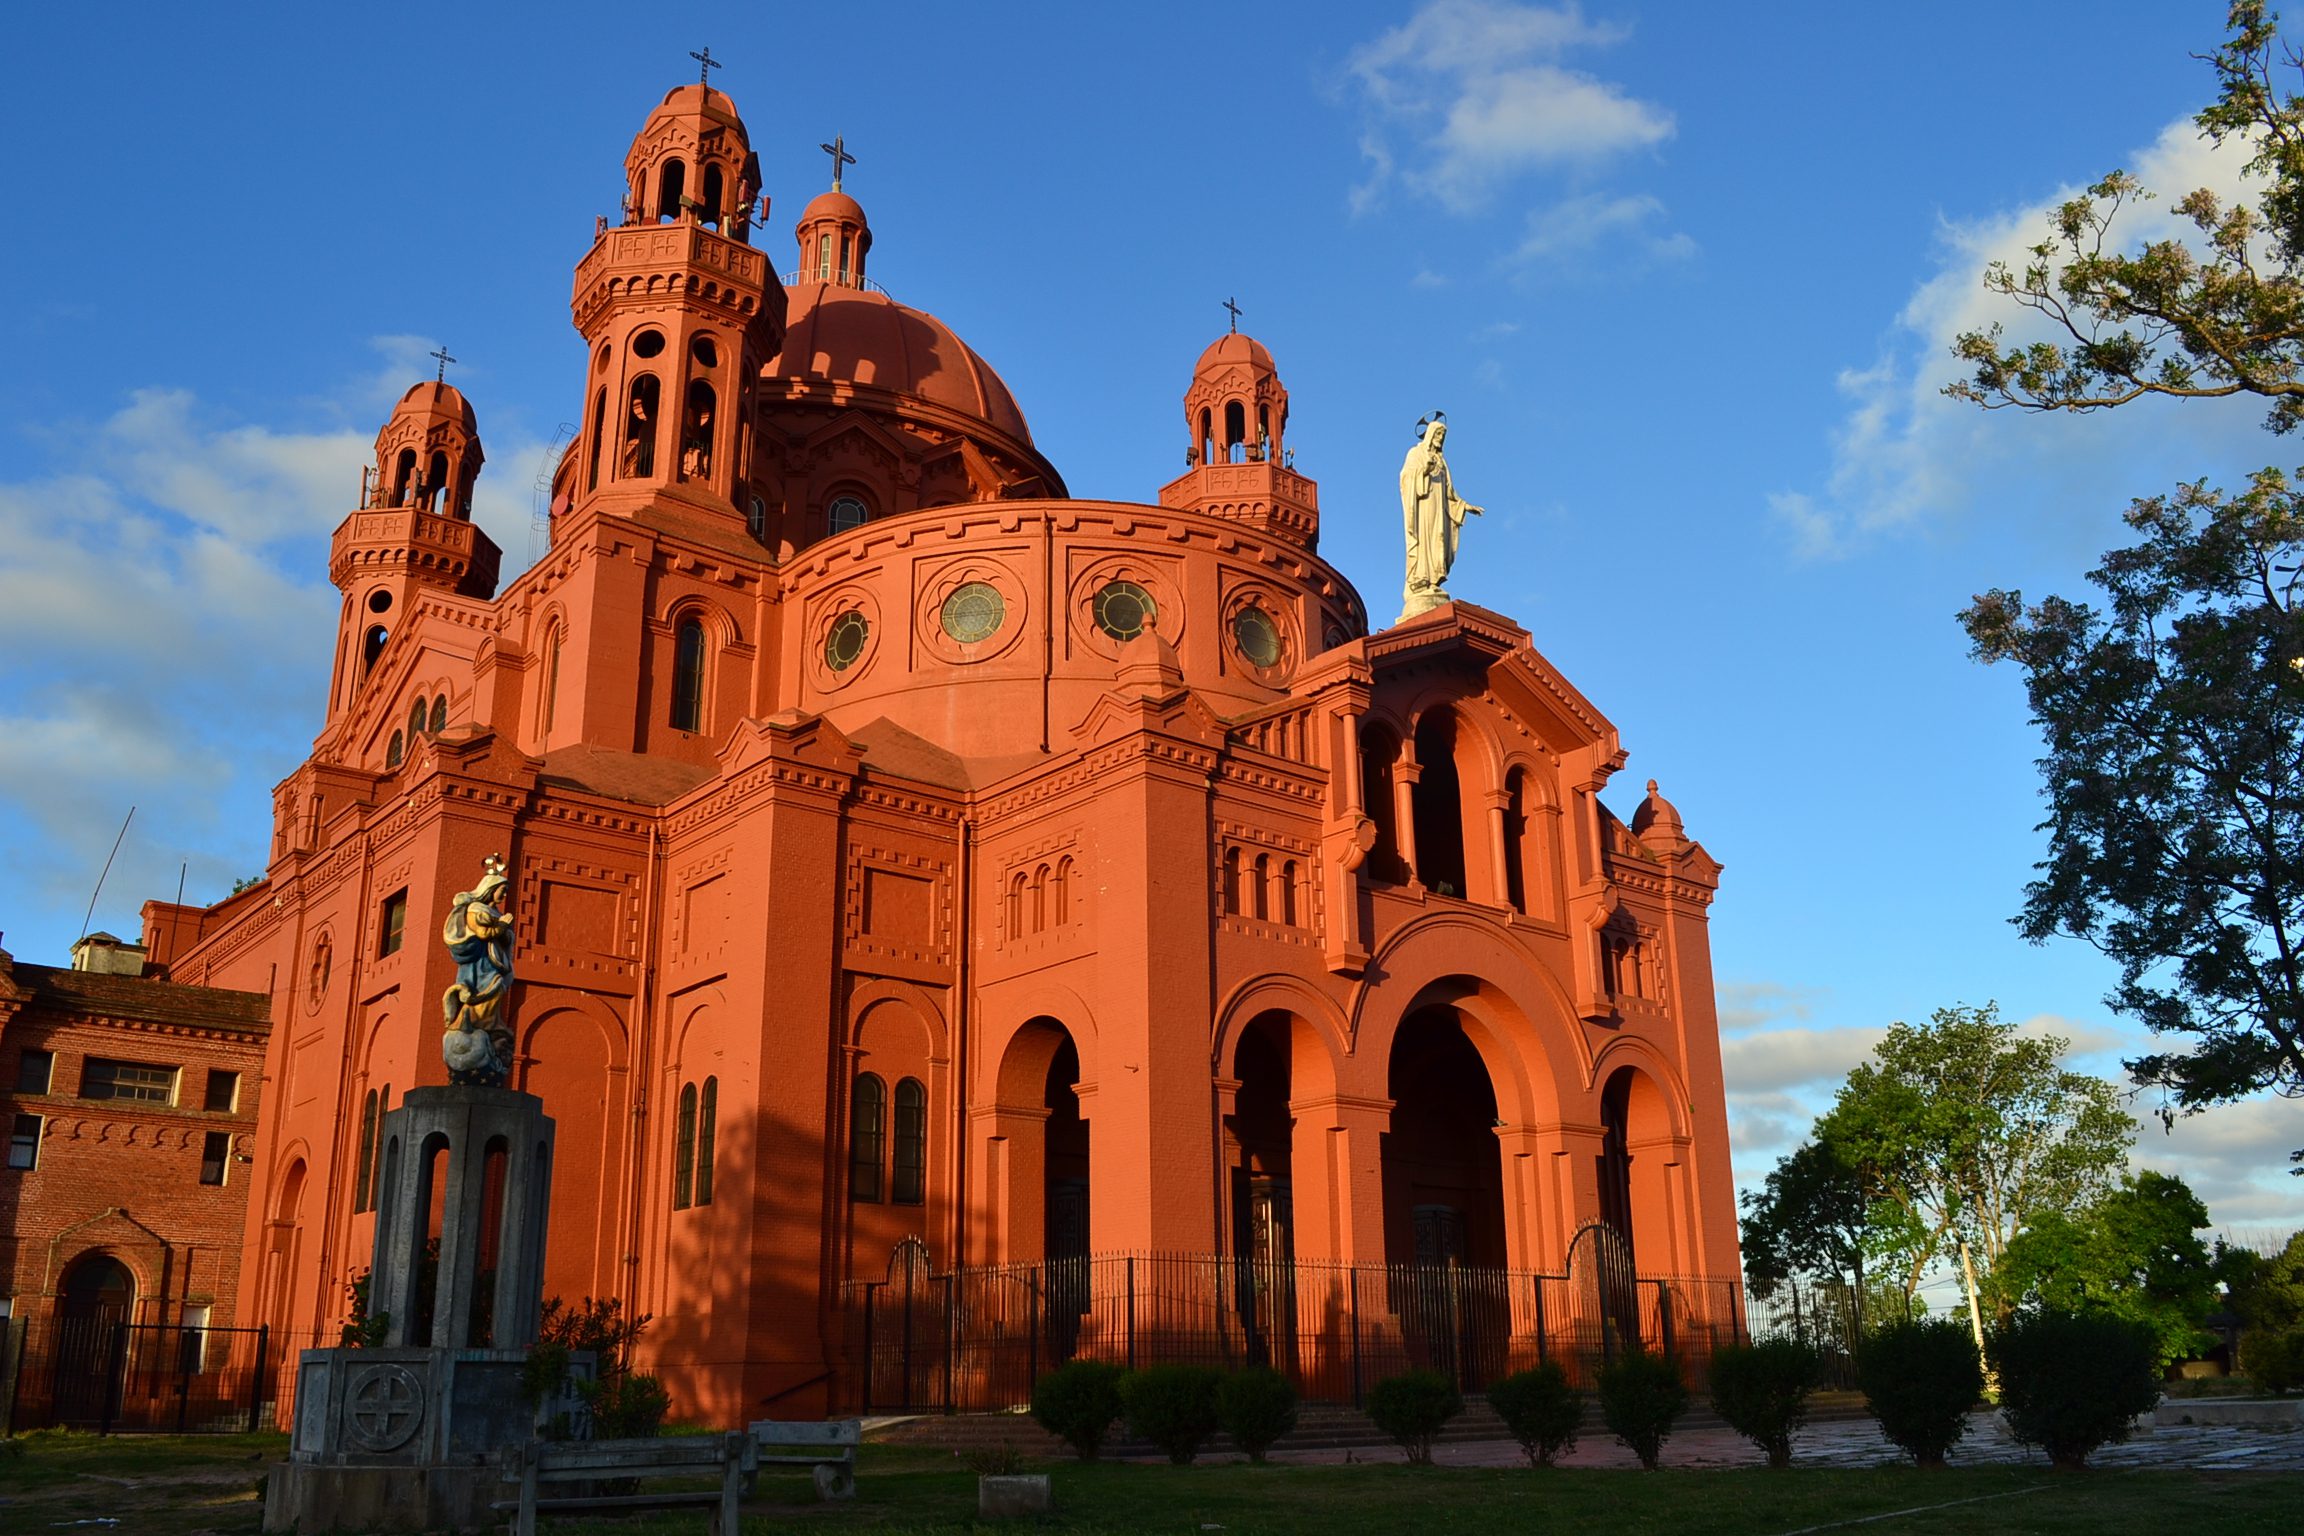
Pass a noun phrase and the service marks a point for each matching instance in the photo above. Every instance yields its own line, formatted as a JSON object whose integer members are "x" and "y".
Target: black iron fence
{"x": 127, "y": 1378}
{"x": 1828, "y": 1315}
{"x": 975, "y": 1339}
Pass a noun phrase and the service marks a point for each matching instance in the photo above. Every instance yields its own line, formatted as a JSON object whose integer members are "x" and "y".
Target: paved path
{"x": 1858, "y": 1443}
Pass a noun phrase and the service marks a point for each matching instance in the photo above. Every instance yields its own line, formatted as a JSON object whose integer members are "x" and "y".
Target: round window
{"x": 1125, "y": 610}
{"x": 844, "y": 642}
{"x": 1257, "y": 636}
{"x": 974, "y": 612}
{"x": 379, "y": 601}
{"x": 846, "y": 512}
{"x": 647, "y": 343}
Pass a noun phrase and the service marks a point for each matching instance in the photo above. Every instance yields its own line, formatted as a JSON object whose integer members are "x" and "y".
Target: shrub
{"x": 1762, "y": 1391}
{"x": 1002, "y": 1460}
{"x": 1541, "y": 1409}
{"x": 1920, "y": 1378}
{"x": 629, "y": 1407}
{"x": 1077, "y": 1403}
{"x": 2072, "y": 1381}
{"x": 1412, "y": 1407}
{"x": 1256, "y": 1407}
{"x": 1640, "y": 1396}
{"x": 2273, "y": 1359}
{"x": 1173, "y": 1406}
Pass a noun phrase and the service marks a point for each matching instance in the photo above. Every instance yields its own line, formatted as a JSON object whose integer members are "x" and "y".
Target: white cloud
{"x": 1791, "y": 1058}
{"x": 1903, "y": 455}
{"x": 1577, "y": 226}
{"x": 1748, "y": 1005}
{"x": 1472, "y": 93}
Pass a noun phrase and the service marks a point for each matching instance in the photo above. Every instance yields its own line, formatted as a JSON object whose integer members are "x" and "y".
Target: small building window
{"x": 684, "y": 1151}
{"x": 34, "y": 1071}
{"x": 215, "y": 1156}
{"x": 552, "y": 675}
{"x": 910, "y": 1186}
{"x": 372, "y": 647}
{"x": 132, "y": 1082}
{"x": 364, "y": 1168}
{"x": 707, "y": 1113}
{"x": 395, "y": 751}
{"x": 192, "y": 1357}
{"x": 867, "y": 1138}
{"x": 844, "y": 642}
{"x": 439, "y": 714}
{"x": 24, "y": 1144}
{"x": 415, "y": 723}
{"x": 223, "y": 1093}
{"x": 1125, "y": 610}
{"x": 846, "y": 512}
{"x": 394, "y": 924}
{"x": 688, "y": 676}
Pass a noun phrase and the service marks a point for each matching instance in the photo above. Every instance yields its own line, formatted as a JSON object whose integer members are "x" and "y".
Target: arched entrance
{"x": 1636, "y": 1152}
{"x": 1443, "y": 1174}
{"x": 1259, "y": 1156}
{"x": 94, "y": 1305}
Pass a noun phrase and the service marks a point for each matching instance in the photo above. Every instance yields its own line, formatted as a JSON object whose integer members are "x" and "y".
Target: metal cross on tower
{"x": 441, "y": 377}
{"x": 838, "y": 150}
{"x": 705, "y": 64}
{"x": 1234, "y": 306}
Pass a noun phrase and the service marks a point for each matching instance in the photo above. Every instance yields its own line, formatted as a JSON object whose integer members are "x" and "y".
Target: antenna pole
{"x": 107, "y": 870}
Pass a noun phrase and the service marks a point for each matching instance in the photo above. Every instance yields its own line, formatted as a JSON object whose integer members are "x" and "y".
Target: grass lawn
{"x": 189, "y": 1487}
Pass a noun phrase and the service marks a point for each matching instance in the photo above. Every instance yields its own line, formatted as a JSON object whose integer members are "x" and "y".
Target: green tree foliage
{"x": 1077, "y": 1402}
{"x": 1809, "y": 1221}
{"x": 1970, "y": 1131}
{"x": 2174, "y": 722}
{"x": 2135, "y": 1253}
{"x": 2071, "y": 1382}
{"x": 623, "y": 1403}
{"x": 2267, "y": 1290}
{"x": 1541, "y": 1410}
{"x": 1413, "y": 1407}
{"x": 1920, "y": 1379}
{"x": 2218, "y": 313}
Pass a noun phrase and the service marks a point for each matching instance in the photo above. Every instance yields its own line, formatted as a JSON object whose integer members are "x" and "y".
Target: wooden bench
{"x": 828, "y": 1448}
{"x": 540, "y": 1464}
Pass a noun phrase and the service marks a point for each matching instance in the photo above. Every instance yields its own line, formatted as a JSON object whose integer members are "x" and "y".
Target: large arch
{"x": 573, "y": 1056}
{"x": 1643, "y": 1169}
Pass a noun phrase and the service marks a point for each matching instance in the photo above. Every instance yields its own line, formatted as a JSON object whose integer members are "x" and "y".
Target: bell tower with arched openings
{"x": 679, "y": 314}
{"x": 1237, "y": 458}
{"x": 414, "y": 530}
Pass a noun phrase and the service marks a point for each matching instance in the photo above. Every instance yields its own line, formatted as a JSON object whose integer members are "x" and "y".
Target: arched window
{"x": 552, "y": 674}
{"x": 710, "y": 214}
{"x": 844, "y": 513}
{"x": 439, "y": 714}
{"x": 867, "y": 1138}
{"x": 1516, "y": 839}
{"x": 1040, "y": 899}
{"x": 372, "y": 646}
{"x": 639, "y": 460}
{"x": 395, "y": 750}
{"x": 364, "y": 1170}
{"x": 1263, "y": 879}
{"x": 1207, "y": 436}
{"x": 1288, "y": 893}
{"x": 910, "y": 1186}
{"x": 1379, "y": 752}
{"x": 403, "y": 476}
{"x": 671, "y": 183}
{"x": 1016, "y": 906}
{"x": 1439, "y": 806}
{"x": 436, "y": 479}
{"x": 696, "y": 431}
{"x": 416, "y": 719}
{"x": 824, "y": 260}
{"x": 688, "y": 676}
{"x": 599, "y": 431}
{"x": 707, "y": 1125}
{"x": 1063, "y": 891}
{"x": 1235, "y": 432}
{"x": 1232, "y": 880}
{"x": 684, "y": 1151}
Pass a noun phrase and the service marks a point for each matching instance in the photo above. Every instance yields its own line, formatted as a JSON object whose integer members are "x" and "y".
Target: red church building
{"x": 910, "y": 859}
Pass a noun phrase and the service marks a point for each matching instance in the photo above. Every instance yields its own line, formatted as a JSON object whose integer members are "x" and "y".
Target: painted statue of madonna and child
{"x": 476, "y": 1009}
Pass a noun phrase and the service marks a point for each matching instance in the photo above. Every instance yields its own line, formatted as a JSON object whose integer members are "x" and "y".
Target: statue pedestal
{"x": 405, "y": 1437}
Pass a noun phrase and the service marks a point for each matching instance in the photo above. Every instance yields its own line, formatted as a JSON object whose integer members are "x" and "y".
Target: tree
{"x": 1808, "y": 1221}
{"x": 2135, "y": 1253}
{"x": 2267, "y": 1289}
{"x": 2168, "y": 319}
{"x": 1973, "y": 1130}
{"x": 2174, "y": 725}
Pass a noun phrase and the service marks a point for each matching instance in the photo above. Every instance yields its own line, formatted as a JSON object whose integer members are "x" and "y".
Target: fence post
{"x": 256, "y": 1377}
{"x": 1664, "y": 1313}
{"x": 1455, "y": 1325}
{"x": 1799, "y": 1328}
{"x": 1131, "y": 1311}
{"x": 1031, "y": 1329}
{"x": 870, "y": 1288}
{"x": 907, "y": 1341}
{"x": 1736, "y": 1310}
{"x": 1538, "y": 1282}
{"x": 1352, "y": 1307}
{"x": 12, "y": 1367}
{"x": 184, "y": 1339}
{"x": 115, "y": 1372}
{"x": 951, "y": 1331}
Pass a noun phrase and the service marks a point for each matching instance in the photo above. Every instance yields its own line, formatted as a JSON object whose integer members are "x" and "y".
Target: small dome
{"x": 700, "y": 100}
{"x": 436, "y": 401}
{"x": 1658, "y": 821}
{"x": 835, "y": 206}
{"x": 1235, "y": 348}
{"x": 861, "y": 336}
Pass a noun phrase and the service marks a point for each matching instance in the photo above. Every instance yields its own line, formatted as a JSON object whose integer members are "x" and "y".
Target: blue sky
{"x": 1683, "y": 279}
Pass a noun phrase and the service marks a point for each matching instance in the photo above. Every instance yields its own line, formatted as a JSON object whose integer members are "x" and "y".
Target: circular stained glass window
{"x": 844, "y": 642}
{"x": 1125, "y": 610}
{"x": 974, "y": 612}
{"x": 1257, "y": 636}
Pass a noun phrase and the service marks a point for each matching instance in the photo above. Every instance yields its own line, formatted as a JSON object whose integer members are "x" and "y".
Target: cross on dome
{"x": 838, "y": 150}
{"x": 441, "y": 377}
{"x": 1234, "y": 306}
{"x": 705, "y": 64}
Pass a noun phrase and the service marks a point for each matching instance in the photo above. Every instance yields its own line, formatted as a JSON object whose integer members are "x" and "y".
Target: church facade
{"x": 908, "y": 856}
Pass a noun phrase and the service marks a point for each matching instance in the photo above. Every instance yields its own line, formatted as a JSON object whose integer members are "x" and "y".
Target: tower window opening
{"x": 847, "y": 257}
{"x": 1437, "y": 802}
{"x": 688, "y": 676}
{"x": 1263, "y": 448}
{"x": 640, "y": 428}
{"x": 403, "y": 473}
{"x": 1235, "y": 432}
{"x": 684, "y": 1151}
{"x": 1207, "y": 436}
{"x": 373, "y": 645}
{"x": 379, "y": 600}
{"x": 867, "y": 1138}
{"x": 1263, "y": 877}
{"x": 1516, "y": 840}
{"x": 756, "y": 518}
{"x": 705, "y": 351}
{"x": 910, "y": 1185}
{"x": 1232, "y": 881}
{"x": 696, "y": 430}
{"x": 552, "y": 674}
{"x": 435, "y": 479}
{"x": 824, "y": 259}
{"x": 671, "y": 184}
{"x": 714, "y": 190}
{"x": 648, "y": 344}
{"x": 599, "y": 431}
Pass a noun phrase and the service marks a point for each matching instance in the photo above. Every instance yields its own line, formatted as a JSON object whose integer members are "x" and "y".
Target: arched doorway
{"x": 1635, "y": 1153}
{"x": 94, "y": 1305}
{"x": 1259, "y": 1154}
{"x": 1444, "y": 1199}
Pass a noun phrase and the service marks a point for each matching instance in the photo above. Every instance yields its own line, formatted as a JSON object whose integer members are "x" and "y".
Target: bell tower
{"x": 679, "y": 314}
{"x": 414, "y": 530}
{"x": 1237, "y": 461}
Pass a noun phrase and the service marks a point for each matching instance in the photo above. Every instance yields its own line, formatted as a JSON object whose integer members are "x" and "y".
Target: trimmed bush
{"x": 1920, "y": 1378}
{"x": 1077, "y": 1402}
{"x": 1256, "y": 1407}
{"x": 1762, "y": 1391}
{"x": 1412, "y": 1408}
{"x": 2072, "y": 1381}
{"x": 2273, "y": 1359}
{"x": 1640, "y": 1396}
{"x": 1173, "y": 1406}
{"x": 1541, "y": 1409}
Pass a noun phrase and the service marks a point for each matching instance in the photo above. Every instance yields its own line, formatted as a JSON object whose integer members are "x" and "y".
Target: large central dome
{"x": 847, "y": 335}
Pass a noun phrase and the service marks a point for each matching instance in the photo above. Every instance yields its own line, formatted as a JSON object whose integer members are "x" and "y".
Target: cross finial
{"x": 441, "y": 377}
{"x": 838, "y": 150}
{"x": 1234, "y": 306}
{"x": 705, "y": 64}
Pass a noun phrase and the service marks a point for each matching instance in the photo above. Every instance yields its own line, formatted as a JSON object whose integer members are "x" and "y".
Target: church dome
{"x": 1235, "y": 348}
{"x": 699, "y": 100}
{"x": 833, "y": 205}
{"x": 436, "y": 401}
{"x": 861, "y": 336}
